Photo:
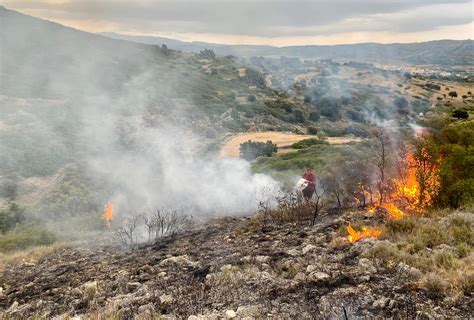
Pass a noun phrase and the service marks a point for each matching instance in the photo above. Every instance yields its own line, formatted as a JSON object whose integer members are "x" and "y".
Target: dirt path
{"x": 281, "y": 139}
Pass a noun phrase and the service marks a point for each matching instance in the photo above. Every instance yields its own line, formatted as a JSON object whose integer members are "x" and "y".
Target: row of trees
{"x": 251, "y": 150}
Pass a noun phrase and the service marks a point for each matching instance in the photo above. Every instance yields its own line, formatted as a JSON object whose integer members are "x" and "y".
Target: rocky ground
{"x": 226, "y": 268}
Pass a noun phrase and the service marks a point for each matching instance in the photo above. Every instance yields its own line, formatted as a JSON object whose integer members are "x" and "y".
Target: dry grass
{"x": 440, "y": 247}
{"x": 30, "y": 255}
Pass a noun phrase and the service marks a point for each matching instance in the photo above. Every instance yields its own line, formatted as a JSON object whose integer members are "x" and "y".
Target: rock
{"x": 392, "y": 304}
{"x": 230, "y": 314}
{"x": 311, "y": 268}
{"x": 166, "y": 299}
{"x": 133, "y": 286}
{"x": 381, "y": 303}
{"x": 1, "y": 292}
{"x": 162, "y": 274}
{"x": 367, "y": 266}
{"x": 13, "y": 307}
{"x": 309, "y": 248}
{"x": 293, "y": 252}
{"x": 180, "y": 261}
{"x": 300, "y": 276}
{"x": 262, "y": 259}
{"x": 146, "y": 311}
{"x": 252, "y": 311}
{"x": 319, "y": 276}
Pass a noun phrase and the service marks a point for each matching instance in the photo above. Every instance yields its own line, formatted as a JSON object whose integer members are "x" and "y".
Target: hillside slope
{"x": 223, "y": 269}
{"x": 442, "y": 52}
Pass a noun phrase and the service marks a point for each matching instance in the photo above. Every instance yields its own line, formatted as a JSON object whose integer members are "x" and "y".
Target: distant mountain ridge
{"x": 443, "y": 52}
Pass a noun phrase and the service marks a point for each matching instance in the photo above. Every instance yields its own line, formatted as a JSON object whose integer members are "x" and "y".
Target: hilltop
{"x": 441, "y": 52}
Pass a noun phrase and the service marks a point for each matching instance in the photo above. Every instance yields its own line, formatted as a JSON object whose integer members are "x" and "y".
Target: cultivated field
{"x": 283, "y": 140}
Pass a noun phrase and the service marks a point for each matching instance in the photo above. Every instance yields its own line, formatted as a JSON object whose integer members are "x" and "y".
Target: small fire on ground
{"x": 365, "y": 232}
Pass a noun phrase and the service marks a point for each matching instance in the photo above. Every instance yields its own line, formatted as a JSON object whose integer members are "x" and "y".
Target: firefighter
{"x": 311, "y": 187}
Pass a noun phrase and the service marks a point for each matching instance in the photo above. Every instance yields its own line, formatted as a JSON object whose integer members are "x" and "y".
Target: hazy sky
{"x": 275, "y": 22}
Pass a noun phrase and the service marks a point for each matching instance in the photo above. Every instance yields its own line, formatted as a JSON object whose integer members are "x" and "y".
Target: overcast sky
{"x": 275, "y": 22}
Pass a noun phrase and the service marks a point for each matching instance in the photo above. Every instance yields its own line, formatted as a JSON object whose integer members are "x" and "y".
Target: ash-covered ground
{"x": 225, "y": 268}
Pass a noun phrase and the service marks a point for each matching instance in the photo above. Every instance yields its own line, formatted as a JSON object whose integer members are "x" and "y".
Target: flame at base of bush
{"x": 108, "y": 213}
{"x": 366, "y": 232}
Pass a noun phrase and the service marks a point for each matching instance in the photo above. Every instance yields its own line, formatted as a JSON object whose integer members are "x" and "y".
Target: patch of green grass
{"x": 24, "y": 237}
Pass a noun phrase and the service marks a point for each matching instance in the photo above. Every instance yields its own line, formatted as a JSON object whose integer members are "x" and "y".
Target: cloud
{"x": 253, "y": 18}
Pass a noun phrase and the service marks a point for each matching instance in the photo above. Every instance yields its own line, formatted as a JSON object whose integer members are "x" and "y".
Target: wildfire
{"x": 407, "y": 196}
{"x": 108, "y": 213}
{"x": 365, "y": 232}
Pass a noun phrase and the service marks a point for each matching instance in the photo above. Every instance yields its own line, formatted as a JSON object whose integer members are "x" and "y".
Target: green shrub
{"x": 401, "y": 226}
{"x": 308, "y": 143}
{"x": 24, "y": 237}
{"x": 253, "y": 149}
{"x": 314, "y": 116}
{"x": 10, "y": 216}
{"x": 299, "y": 116}
{"x": 460, "y": 114}
{"x": 312, "y": 130}
{"x": 429, "y": 236}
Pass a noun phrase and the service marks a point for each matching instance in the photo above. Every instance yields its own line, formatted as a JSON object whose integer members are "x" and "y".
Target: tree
{"x": 381, "y": 161}
{"x": 453, "y": 94}
{"x": 206, "y": 54}
{"x": 299, "y": 116}
{"x": 460, "y": 114}
{"x": 314, "y": 116}
{"x": 402, "y": 104}
{"x": 251, "y": 150}
{"x": 251, "y": 98}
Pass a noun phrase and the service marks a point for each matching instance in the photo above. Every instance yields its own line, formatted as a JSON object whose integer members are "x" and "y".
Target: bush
{"x": 402, "y": 104}
{"x": 24, "y": 237}
{"x": 10, "y": 216}
{"x": 312, "y": 130}
{"x": 330, "y": 108}
{"x": 433, "y": 86}
{"x": 308, "y": 143}
{"x": 251, "y": 98}
{"x": 299, "y": 116}
{"x": 460, "y": 114}
{"x": 253, "y": 149}
{"x": 314, "y": 116}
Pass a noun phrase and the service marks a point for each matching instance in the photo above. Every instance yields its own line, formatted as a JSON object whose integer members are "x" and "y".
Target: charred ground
{"x": 230, "y": 267}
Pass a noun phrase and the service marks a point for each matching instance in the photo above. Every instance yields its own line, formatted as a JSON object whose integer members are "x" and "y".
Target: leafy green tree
{"x": 453, "y": 94}
{"x": 10, "y": 216}
{"x": 314, "y": 116}
{"x": 299, "y": 116}
{"x": 460, "y": 114}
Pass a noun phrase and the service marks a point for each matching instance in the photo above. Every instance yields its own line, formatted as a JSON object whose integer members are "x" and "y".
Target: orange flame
{"x": 108, "y": 213}
{"x": 366, "y": 232}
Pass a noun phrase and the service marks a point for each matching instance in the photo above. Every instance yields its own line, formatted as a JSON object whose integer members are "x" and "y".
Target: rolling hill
{"x": 443, "y": 52}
